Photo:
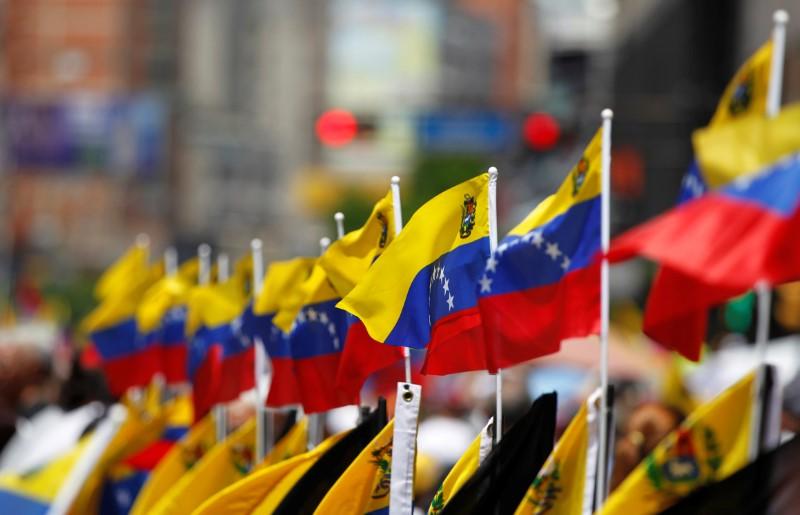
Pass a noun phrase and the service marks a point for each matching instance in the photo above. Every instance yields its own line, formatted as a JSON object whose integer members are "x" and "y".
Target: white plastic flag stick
{"x": 498, "y": 378}
{"x": 223, "y": 268}
{"x": 605, "y": 232}
{"x": 143, "y": 242}
{"x": 264, "y": 423}
{"x": 204, "y": 264}
{"x": 136, "y": 393}
{"x": 398, "y": 226}
{"x": 780, "y": 19}
{"x": 339, "y": 217}
{"x": 171, "y": 261}
{"x": 316, "y": 421}
{"x": 404, "y": 448}
{"x": 220, "y": 411}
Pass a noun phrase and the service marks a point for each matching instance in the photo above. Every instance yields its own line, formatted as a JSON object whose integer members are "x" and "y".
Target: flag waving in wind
{"x": 345, "y": 262}
{"x": 542, "y": 285}
{"x": 281, "y": 279}
{"x": 421, "y": 291}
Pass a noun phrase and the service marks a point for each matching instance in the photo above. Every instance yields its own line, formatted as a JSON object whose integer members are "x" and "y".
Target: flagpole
{"x": 398, "y": 226}
{"x": 264, "y": 423}
{"x": 204, "y": 264}
{"x": 316, "y": 421}
{"x": 171, "y": 261}
{"x": 220, "y": 411}
{"x": 605, "y": 233}
{"x": 780, "y": 19}
{"x": 498, "y": 378}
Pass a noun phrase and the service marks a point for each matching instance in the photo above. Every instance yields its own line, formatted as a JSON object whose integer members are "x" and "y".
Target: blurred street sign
{"x": 467, "y": 132}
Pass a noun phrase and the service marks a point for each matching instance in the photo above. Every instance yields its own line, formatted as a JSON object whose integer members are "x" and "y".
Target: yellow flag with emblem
{"x": 223, "y": 465}
{"x": 294, "y": 442}
{"x": 347, "y": 259}
{"x": 263, "y": 490}
{"x": 746, "y": 93}
{"x": 563, "y": 485}
{"x": 177, "y": 462}
{"x": 466, "y": 465}
{"x": 711, "y": 444}
{"x": 364, "y": 486}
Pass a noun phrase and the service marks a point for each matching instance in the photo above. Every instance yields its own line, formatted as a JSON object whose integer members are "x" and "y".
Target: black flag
{"x": 307, "y": 493}
{"x": 501, "y": 481}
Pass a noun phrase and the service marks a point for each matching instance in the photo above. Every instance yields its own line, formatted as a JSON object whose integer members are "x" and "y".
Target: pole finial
{"x": 493, "y": 171}
{"x": 338, "y": 216}
{"x": 395, "y": 179}
{"x": 780, "y": 17}
{"x": 607, "y": 114}
{"x": 204, "y": 249}
{"x": 142, "y": 240}
{"x": 324, "y": 243}
{"x": 255, "y": 244}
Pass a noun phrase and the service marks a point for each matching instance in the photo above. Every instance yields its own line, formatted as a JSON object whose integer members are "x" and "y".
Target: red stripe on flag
{"x": 283, "y": 388}
{"x": 362, "y": 356}
{"x": 527, "y": 324}
{"x": 237, "y": 375}
{"x": 132, "y": 370}
{"x": 457, "y": 344}
{"x": 316, "y": 378}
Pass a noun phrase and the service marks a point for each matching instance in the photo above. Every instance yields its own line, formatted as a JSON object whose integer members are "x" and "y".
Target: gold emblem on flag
{"x": 579, "y": 177}
{"x": 468, "y": 211}
{"x": 382, "y": 458}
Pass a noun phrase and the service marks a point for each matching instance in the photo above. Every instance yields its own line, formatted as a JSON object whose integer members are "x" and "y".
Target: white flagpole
{"x": 171, "y": 261}
{"x": 316, "y": 421}
{"x": 264, "y": 423}
{"x": 398, "y": 226}
{"x": 498, "y": 378}
{"x": 780, "y": 19}
{"x": 605, "y": 233}
{"x": 339, "y": 217}
{"x": 204, "y": 264}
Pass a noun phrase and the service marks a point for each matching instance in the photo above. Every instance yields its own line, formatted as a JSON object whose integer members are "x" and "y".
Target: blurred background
{"x": 220, "y": 121}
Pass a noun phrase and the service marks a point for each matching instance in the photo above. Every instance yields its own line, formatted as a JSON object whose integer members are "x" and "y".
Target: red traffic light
{"x": 541, "y": 131}
{"x": 336, "y": 127}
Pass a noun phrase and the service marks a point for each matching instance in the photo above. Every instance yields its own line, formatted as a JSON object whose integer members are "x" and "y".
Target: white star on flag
{"x": 441, "y": 272}
{"x": 553, "y": 251}
{"x": 450, "y": 304}
{"x": 323, "y": 317}
{"x": 486, "y": 284}
{"x": 565, "y": 264}
{"x": 501, "y": 248}
{"x": 537, "y": 238}
{"x": 491, "y": 264}
{"x": 312, "y": 314}
{"x": 446, "y": 285}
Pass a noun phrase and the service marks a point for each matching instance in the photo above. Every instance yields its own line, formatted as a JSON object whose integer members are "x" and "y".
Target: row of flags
{"x": 327, "y": 323}
{"x": 350, "y": 472}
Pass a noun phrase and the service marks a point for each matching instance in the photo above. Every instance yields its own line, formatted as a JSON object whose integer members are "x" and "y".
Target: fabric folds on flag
{"x": 421, "y": 291}
{"x": 223, "y": 465}
{"x": 745, "y": 95}
{"x": 771, "y": 485}
{"x": 265, "y": 487}
{"x": 542, "y": 285}
{"x": 345, "y": 263}
{"x": 565, "y": 485}
{"x": 712, "y": 443}
{"x": 316, "y": 340}
{"x": 282, "y": 280}
{"x": 123, "y": 274}
{"x": 307, "y": 492}
{"x": 177, "y": 462}
{"x": 127, "y": 359}
{"x": 721, "y": 244}
{"x": 363, "y": 488}
{"x": 211, "y": 309}
{"x": 502, "y": 479}
{"x": 463, "y": 469}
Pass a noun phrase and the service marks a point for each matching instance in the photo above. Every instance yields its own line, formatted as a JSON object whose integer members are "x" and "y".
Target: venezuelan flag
{"x": 316, "y": 340}
{"x": 211, "y": 309}
{"x": 719, "y": 245}
{"x": 542, "y": 285}
{"x": 281, "y": 280}
{"x": 128, "y": 358}
{"x": 345, "y": 263}
{"x": 161, "y": 320}
{"x": 745, "y": 95}
{"x": 421, "y": 291}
